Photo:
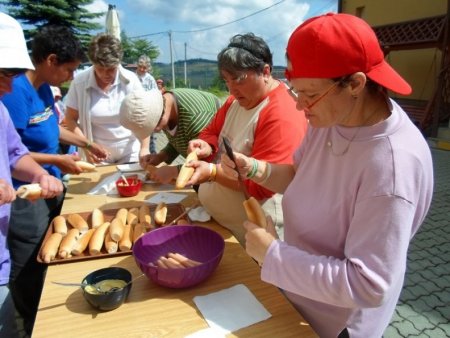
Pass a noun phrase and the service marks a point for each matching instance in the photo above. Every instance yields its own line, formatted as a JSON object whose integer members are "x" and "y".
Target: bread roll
{"x": 122, "y": 214}
{"x": 68, "y": 242}
{"x": 60, "y": 225}
{"x": 29, "y": 191}
{"x": 255, "y": 212}
{"x": 126, "y": 241}
{"x": 97, "y": 218}
{"x": 85, "y": 166}
{"x": 186, "y": 262}
{"x": 144, "y": 216}
{"x": 160, "y": 213}
{"x": 133, "y": 216}
{"x": 110, "y": 245}
{"x": 161, "y": 264}
{"x": 78, "y": 222}
{"x": 186, "y": 172}
{"x": 172, "y": 263}
{"x": 82, "y": 242}
{"x": 138, "y": 231}
{"x": 116, "y": 229}
{"x": 98, "y": 238}
{"x": 50, "y": 247}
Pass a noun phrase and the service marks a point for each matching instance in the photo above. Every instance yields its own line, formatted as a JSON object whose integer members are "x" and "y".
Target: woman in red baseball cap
{"x": 359, "y": 189}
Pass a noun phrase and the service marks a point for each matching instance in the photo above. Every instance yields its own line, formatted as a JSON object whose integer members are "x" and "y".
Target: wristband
{"x": 88, "y": 144}
{"x": 212, "y": 172}
{"x": 267, "y": 173}
{"x": 254, "y": 169}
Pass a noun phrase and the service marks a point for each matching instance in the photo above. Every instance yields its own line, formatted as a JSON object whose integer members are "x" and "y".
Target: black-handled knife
{"x": 229, "y": 151}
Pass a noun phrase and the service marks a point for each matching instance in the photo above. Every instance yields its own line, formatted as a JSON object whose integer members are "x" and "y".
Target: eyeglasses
{"x": 321, "y": 96}
{"x": 11, "y": 73}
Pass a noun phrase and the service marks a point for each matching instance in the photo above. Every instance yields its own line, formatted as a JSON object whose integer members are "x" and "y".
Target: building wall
{"x": 419, "y": 67}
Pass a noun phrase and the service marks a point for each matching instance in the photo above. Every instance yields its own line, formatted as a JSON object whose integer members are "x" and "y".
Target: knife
{"x": 230, "y": 154}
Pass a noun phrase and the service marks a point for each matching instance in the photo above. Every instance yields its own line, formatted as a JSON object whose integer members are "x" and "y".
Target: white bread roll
{"x": 98, "y": 238}
{"x": 86, "y": 166}
{"x": 160, "y": 214}
{"x": 255, "y": 212}
{"x": 97, "y": 218}
{"x": 68, "y": 242}
{"x": 50, "y": 247}
{"x": 82, "y": 242}
{"x": 186, "y": 172}
{"x": 60, "y": 225}
{"x": 78, "y": 222}
{"x": 29, "y": 191}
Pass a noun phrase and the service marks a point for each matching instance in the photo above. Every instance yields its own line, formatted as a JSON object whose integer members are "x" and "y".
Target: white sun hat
{"x": 13, "y": 48}
{"x": 141, "y": 111}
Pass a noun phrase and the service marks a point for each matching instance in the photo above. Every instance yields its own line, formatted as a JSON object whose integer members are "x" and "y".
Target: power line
{"x": 229, "y": 23}
{"x": 213, "y": 27}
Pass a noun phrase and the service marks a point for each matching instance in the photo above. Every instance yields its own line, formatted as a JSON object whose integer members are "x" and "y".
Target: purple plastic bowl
{"x": 192, "y": 241}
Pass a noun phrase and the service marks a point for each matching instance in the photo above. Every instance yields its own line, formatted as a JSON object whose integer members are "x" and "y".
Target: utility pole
{"x": 185, "y": 65}
{"x": 171, "y": 59}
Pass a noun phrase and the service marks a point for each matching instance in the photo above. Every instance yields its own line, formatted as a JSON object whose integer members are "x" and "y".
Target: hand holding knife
{"x": 230, "y": 154}
{"x": 253, "y": 209}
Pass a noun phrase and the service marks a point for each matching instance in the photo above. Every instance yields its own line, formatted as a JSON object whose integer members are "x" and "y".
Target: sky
{"x": 201, "y": 28}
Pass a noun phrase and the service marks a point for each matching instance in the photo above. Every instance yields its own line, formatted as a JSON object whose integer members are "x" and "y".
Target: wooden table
{"x": 151, "y": 310}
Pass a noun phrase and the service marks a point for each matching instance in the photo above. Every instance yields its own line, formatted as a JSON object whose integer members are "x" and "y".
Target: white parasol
{"x": 112, "y": 23}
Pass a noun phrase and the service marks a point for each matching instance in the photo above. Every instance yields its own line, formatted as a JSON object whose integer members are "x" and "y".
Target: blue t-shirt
{"x": 33, "y": 115}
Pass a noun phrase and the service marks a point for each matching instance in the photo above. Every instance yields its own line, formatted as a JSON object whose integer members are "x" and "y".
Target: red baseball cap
{"x": 335, "y": 45}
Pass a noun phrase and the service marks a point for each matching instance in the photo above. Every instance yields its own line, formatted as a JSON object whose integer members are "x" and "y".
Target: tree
{"x": 70, "y": 13}
{"x": 132, "y": 49}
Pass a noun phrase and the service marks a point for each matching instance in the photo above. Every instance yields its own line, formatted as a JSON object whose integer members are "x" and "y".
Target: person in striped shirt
{"x": 184, "y": 114}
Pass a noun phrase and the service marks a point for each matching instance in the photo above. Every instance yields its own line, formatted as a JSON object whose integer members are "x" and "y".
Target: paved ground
{"x": 424, "y": 306}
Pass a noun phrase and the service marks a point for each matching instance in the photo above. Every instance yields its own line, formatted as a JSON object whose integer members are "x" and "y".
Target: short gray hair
{"x": 105, "y": 50}
{"x": 144, "y": 60}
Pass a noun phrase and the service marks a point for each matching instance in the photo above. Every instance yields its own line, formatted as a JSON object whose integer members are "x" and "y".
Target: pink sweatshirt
{"x": 348, "y": 221}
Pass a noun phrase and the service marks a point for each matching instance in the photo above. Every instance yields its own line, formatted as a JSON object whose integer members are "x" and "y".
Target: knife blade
{"x": 230, "y": 154}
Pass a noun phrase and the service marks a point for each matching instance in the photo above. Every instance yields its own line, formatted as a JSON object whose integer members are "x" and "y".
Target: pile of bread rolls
{"x": 72, "y": 235}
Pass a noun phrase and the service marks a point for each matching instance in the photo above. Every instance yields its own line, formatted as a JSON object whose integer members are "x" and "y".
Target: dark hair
{"x": 58, "y": 40}
{"x": 245, "y": 51}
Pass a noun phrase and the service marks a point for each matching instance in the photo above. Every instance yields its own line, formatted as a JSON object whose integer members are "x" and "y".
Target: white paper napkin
{"x": 231, "y": 309}
{"x": 166, "y": 197}
{"x": 199, "y": 214}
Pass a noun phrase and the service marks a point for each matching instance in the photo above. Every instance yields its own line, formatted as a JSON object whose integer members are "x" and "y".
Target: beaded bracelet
{"x": 254, "y": 170}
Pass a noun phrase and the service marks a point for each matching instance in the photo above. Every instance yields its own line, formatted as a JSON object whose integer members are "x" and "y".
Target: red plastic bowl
{"x": 193, "y": 241}
{"x": 132, "y": 189}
